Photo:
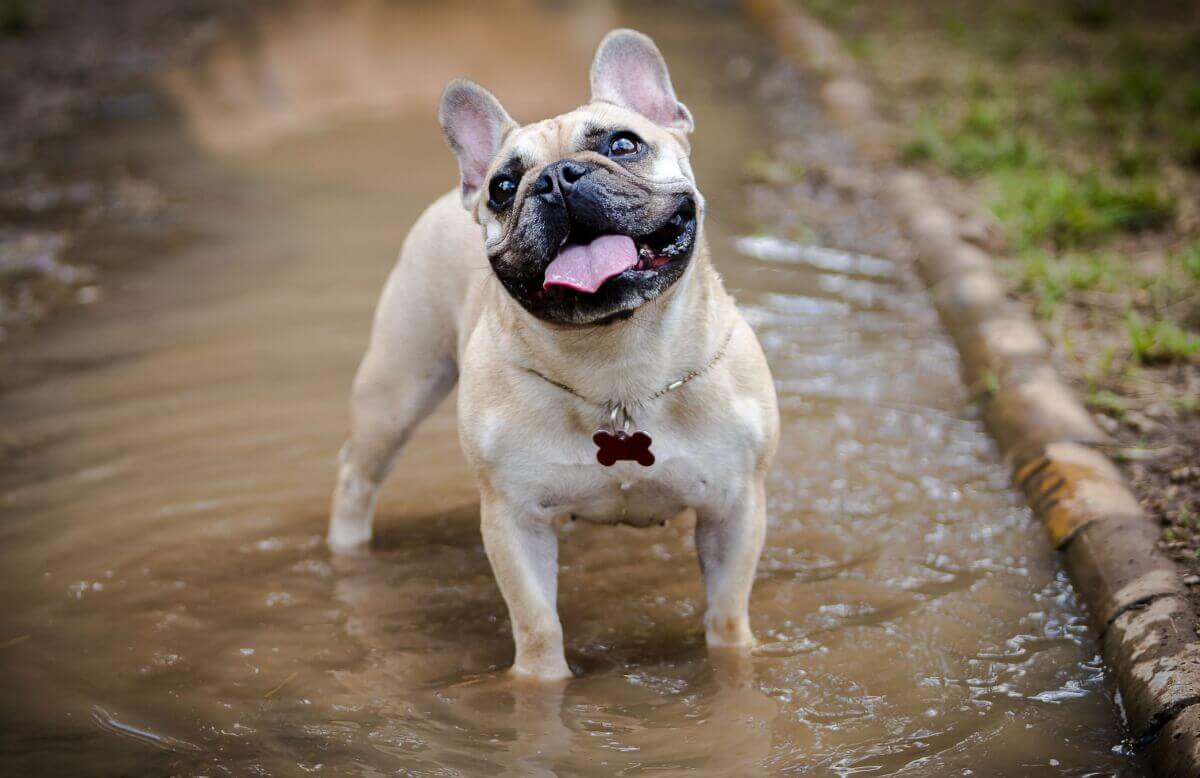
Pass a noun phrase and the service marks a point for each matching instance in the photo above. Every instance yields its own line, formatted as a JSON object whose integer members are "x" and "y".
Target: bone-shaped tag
{"x": 615, "y": 446}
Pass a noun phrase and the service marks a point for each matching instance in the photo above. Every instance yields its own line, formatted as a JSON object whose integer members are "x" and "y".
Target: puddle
{"x": 169, "y": 605}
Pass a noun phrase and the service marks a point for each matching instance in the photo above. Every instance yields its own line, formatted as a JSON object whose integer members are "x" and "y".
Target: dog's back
{"x": 415, "y": 335}
{"x": 441, "y": 260}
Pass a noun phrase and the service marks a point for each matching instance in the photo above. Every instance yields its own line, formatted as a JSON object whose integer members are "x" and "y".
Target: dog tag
{"x": 612, "y": 447}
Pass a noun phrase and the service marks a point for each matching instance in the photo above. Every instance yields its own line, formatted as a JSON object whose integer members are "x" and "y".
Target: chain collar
{"x": 620, "y": 411}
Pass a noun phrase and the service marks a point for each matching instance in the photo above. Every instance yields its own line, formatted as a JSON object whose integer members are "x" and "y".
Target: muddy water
{"x": 168, "y": 606}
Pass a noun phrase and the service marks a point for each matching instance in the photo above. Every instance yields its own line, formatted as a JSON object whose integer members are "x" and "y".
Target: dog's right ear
{"x": 475, "y": 124}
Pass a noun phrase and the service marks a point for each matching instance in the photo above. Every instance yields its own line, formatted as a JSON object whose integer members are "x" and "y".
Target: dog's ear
{"x": 475, "y": 124}
{"x": 629, "y": 70}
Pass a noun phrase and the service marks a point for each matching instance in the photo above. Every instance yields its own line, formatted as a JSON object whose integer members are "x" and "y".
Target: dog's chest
{"x": 627, "y": 493}
{"x": 539, "y": 452}
{"x": 572, "y": 483}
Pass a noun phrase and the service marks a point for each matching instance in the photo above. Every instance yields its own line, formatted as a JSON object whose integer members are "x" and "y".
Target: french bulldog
{"x": 604, "y": 373}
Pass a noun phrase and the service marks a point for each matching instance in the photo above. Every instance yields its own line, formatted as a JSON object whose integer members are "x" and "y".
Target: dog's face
{"x": 591, "y": 214}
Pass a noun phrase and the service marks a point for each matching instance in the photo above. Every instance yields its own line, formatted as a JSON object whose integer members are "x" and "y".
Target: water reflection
{"x": 313, "y": 63}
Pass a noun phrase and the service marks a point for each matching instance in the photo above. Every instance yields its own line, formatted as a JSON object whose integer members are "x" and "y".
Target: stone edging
{"x": 1134, "y": 597}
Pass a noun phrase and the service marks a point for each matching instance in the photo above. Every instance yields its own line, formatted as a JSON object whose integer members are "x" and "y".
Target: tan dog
{"x": 601, "y": 324}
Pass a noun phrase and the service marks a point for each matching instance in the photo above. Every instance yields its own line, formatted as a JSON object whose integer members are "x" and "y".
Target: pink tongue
{"x": 584, "y": 268}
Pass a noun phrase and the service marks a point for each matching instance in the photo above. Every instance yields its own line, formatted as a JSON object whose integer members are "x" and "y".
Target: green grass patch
{"x": 15, "y": 17}
{"x": 1135, "y": 86}
{"x": 1042, "y": 207}
{"x": 1186, "y": 140}
{"x": 762, "y": 167}
{"x": 1092, "y": 14}
{"x": 1175, "y": 288}
{"x": 1080, "y": 124}
{"x": 1191, "y": 97}
{"x": 983, "y": 140}
{"x": 1187, "y": 260}
{"x": 1103, "y": 366}
{"x": 1041, "y": 204}
{"x": 1133, "y": 161}
{"x": 1050, "y": 279}
{"x": 1159, "y": 340}
{"x": 861, "y": 47}
{"x": 1108, "y": 403}
{"x": 832, "y": 12}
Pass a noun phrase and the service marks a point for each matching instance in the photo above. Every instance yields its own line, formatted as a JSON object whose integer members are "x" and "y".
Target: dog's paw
{"x": 342, "y": 540}
{"x": 548, "y": 672}
{"x": 724, "y": 643}
{"x": 729, "y": 633}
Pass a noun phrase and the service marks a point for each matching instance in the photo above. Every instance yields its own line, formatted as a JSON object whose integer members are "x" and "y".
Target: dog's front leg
{"x": 524, "y": 556}
{"x": 729, "y": 542}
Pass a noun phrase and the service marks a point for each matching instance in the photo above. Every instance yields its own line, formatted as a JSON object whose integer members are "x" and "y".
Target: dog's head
{"x": 590, "y": 214}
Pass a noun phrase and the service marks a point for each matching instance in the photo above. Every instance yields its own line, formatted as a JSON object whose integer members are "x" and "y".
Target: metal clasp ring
{"x": 626, "y": 420}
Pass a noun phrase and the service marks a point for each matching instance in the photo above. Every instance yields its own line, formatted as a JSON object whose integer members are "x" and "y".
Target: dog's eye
{"x": 624, "y": 144}
{"x": 501, "y": 191}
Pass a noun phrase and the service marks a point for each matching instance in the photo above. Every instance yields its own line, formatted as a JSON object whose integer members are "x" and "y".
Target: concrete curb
{"x": 1135, "y": 600}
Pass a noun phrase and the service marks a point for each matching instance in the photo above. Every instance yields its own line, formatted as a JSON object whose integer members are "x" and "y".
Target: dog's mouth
{"x": 589, "y": 258}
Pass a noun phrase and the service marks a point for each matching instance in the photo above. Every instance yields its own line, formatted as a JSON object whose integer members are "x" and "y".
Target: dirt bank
{"x": 1066, "y": 133}
{"x": 71, "y": 72}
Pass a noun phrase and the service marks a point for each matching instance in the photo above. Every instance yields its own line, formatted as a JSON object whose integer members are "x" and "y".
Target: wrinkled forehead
{"x": 583, "y": 129}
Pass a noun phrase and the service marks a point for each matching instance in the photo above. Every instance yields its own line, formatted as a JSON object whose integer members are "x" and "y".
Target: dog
{"x": 604, "y": 373}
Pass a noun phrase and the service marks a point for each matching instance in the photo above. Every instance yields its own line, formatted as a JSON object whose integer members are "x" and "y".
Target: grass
{"x": 15, "y": 17}
{"x": 1187, "y": 143}
{"x": 982, "y": 141}
{"x": 990, "y": 384}
{"x": 832, "y": 12}
{"x": 1041, "y": 207}
{"x": 1171, "y": 295}
{"x": 1187, "y": 260}
{"x": 1093, "y": 15}
{"x": 1109, "y": 403}
{"x": 1136, "y": 85}
{"x": 1078, "y": 123}
{"x": 1174, "y": 290}
{"x": 1050, "y": 279}
{"x": 1159, "y": 340}
{"x": 762, "y": 167}
{"x": 1040, "y": 200}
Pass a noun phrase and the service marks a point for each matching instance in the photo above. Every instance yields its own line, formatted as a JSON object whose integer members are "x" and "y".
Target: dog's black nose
{"x": 570, "y": 172}
{"x": 560, "y": 176}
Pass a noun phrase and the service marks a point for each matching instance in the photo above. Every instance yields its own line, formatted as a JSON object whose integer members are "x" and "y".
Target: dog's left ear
{"x": 629, "y": 70}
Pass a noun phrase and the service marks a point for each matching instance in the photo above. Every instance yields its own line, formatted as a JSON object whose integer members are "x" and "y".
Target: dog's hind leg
{"x": 409, "y": 367}
{"x": 386, "y": 406}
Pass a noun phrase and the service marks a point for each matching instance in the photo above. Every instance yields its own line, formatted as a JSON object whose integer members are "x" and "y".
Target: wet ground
{"x": 169, "y": 606}
{"x": 68, "y": 70}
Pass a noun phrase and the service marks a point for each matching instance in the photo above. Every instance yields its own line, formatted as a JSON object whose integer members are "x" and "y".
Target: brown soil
{"x": 1158, "y": 442}
{"x": 1168, "y": 486}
